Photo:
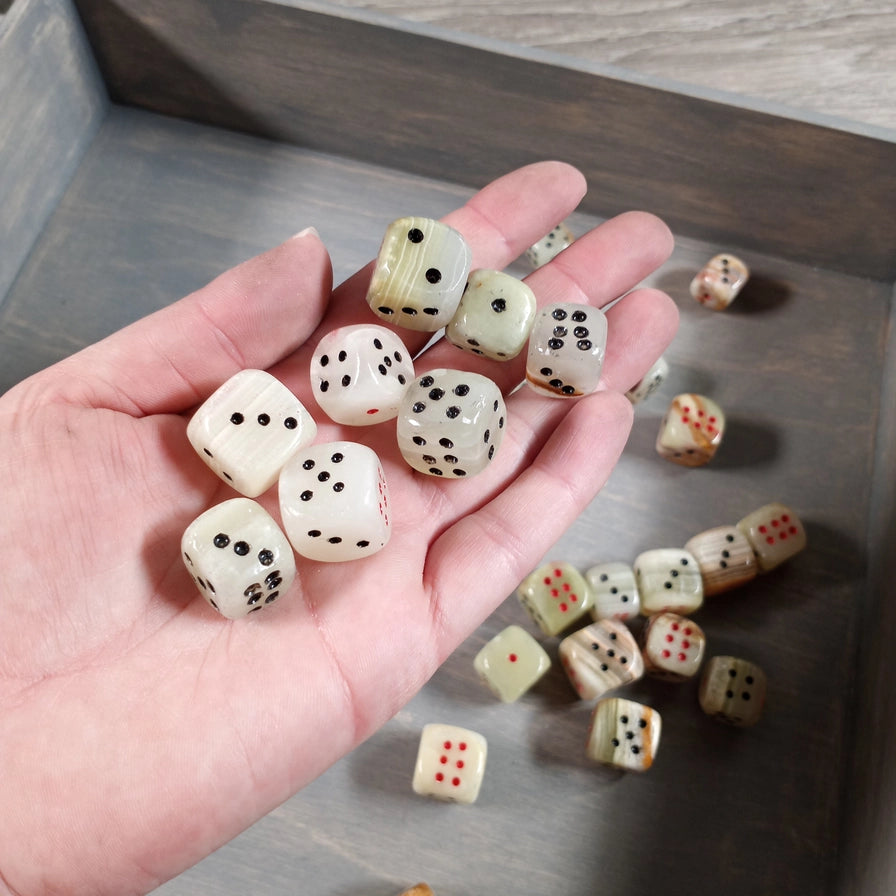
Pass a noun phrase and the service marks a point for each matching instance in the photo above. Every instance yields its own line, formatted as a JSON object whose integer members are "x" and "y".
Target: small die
{"x": 673, "y": 647}
{"x": 720, "y": 280}
{"x": 418, "y": 890}
{"x": 650, "y": 382}
{"x": 555, "y": 595}
{"x": 614, "y": 591}
{"x": 733, "y": 690}
{"x": 550, "y": 246}
{"x": 691, "y": 431}
{"x": 725, "y": 558}
{"x": 624, "y": 734}
{"x": 511, "y": 663}
{"x": 450, "y": 763}
{"x": 600, "y": 657}
{"x": 775, "y": 533}
{"x": 668, "y": 581}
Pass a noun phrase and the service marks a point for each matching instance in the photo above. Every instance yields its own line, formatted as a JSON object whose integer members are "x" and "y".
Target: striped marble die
{"x": 775, "y": 533}
{"x": 600, "y": 657}
{"x": 725, "y": 558}
{"x": 673, "y": 647}
{"x": 614, "y": 591}
{"x": 733, "y": 690}
{"x": 624, "y": 734}
{"x": 691, "y": 430}
{"x": 719, "y": 281}
{"x": 668, "y": 580}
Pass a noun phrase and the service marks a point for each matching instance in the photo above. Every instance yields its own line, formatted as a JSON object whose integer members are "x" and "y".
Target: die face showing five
{"x": 668, "y": 580}
{"x": 624, "y": 734}
{"x": 600, "y": 657}
{"x": 420, "y": 274}
{"x": 450, "y": 763}
{"x": 733, "y": 690}
{"x": 494, "y": 317}
{"x": 725, "y": 558}
{"x": 511, "y": 663}
{"x": 673, "y": 647}
{"x": 650, "y": 382}
{"x": 248, "y": 429}
{"x": 360, "y": 373}
{"x": 451, "y": 423}
{"x": 550, "y": 246}
{"x": 691, "y": 431}
{"x": 775, "y": 533}
{"x": 238, "y": 557}
{"x": 555, "y": 595}
{"x": 720, "y": 280}
{"x": 566, "y": 350}
{"x": 614, "y": 591}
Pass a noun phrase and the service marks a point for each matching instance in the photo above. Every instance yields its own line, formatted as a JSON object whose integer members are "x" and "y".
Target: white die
{"x": 691, "y": 430}
{"x": 719, "y": 281}
{"x": 775, "y": 534}
{"x": 550, "y": 246}
{"x": 555, "y": 595}
{"x": 650, "y": 382}
{"x": 600, "y": 657}
{"x": 614, "y": 591}
{"x": 511, "y": 663}
{"x": 668, "y": 580}
{"x": 673, "y": 647}
{"x": 450, "y": 763}
{"x": 624, "y": 734}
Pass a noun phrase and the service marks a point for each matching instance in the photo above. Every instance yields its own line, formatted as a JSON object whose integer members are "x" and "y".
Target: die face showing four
{"x": 566, "y": 350}
{"x": 451, "y": 423}
{"x": 420, "y": 274}
{"x": 668, "y": 580}
{"x": 624, "y": 734}
{"x": 494, "y": 317}
{"x": 775, "y": 533}
{"x": 550, "y": 246}
{"x": 555, "y": 595}
{"x": 691, "y": 431}
{"x": 725, "y": 558}
{"x": 360, "y": 373}
{"x": 248, "y": 429}
{"x": 673, "y": 647}
{"x": 720, "y": 280}
{"x": 511, "y": 663}
{"x": 238, "y": 557}
{"x": 733, "y": 690}
{"x": 614, "y": 591}
{"x": 450, "y": 763}
{"x": 600, "y": 657}
{"x": 650, "y": 382}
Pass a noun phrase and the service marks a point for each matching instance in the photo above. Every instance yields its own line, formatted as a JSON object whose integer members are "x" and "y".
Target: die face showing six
{"x": 360, "y": 373}
{"x": 566, "y": 350}
{"x": 238, "y": 557}
{"x": 248, "y": 429}
{"x": 614, "y": 591}
{"x": 733, "y": 690}
{"x": 550, "y": 246}
{"x": 494, "y": 317}
{"x": 450, "y": 763}
{"x": 725, "y": 558}
{"x": 555, "y": 595}
{"x": 511, "y": 663}
{"x": 691, "y": 431}
{"x": 775, "y": 533}
{"x": 451, "y": 423}
{"x": 600, "y": 657}
{"x": 719, "y": 281}
{"x": 668, "y": 580}
{"x": 673, "y": 647}
{"x": 624, "y": 734}
{"x": 420, "y": 274}
{"x": 650, "y": 382}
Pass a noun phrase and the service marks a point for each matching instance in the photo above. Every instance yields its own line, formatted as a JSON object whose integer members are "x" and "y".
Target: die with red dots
{"x": 668, "y": 580}
{"x": 691, "y": 430}
{"x": 725, "y": 558}
{"x": 511, "y": 663}
{"x": 624, "y": 734}
{"x": 600, "y": 657}
{"x": 720, "y": 280}
{"x": 673, "y": 647}
{"x": 555, "y": 595}
{"x": 775, "y": 533}
{"x": 450, "y": 763}
{"x": 733, "y": 690}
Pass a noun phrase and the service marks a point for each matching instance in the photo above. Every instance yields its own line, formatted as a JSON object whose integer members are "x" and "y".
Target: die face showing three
{"x": 624, "y": 734}
{"x": 668, "y": 580}
{"x": 420, "y": 274}
{"x": 725, "y": 558}
{"x": 650, "y": 382}
{"x": 248, "y": 429}
{"x": 614, "y": 591}
{"x": 555, "y": 595}
{"x": 550, "y": 246}
{"x": 719, "y": 281}
{"x": 238, "y": 557}
{"x": 775, "y": 533}
{"x": 450, "y": 763}
{"x": 673, "y": 647}
{"x": 511, "y": 663}
{"x": 691, "y": 430}
{"x": 733, "y": 690}
{"x": 600, "y": 657}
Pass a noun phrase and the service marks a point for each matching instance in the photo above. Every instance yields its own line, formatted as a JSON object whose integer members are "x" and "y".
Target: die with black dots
{"x": 624, "y": 734}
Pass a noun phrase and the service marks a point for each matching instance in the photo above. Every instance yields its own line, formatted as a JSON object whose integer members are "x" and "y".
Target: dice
{"x": 494, "y": 316}
{"x": 650, "y": 382}
{"x": 451, "y": 423}
{"x": 725, "y": 558}
{"x": 566, "y": 350}
{"x": 600, "y": 657}
{"x": 420, "y": 274}
{"x": 775, "y": 533}
{"x": 511, "y": 663}
{"x": 733, "y": 690}
{"x": 418, "y": 890}
{"x": 549, "y": 246}
{"x": 673, "y": 647}
{"x": 691, "y": 430}
{"x": 238, "y": 557}
{"x": 248, "y": 429}
{"x": 719, "y": 281}
{"x": 614, "y": 591}
{"x": 555, "y": 595}
{"x": 334, "y": 502}
{"x": 360, "y": 373}
{"x": 668, "y": 580}
{"x": 624, "y": 734}
{"x": 450, "y": 763}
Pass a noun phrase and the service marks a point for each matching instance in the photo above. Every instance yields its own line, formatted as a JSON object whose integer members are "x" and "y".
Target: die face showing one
{"x": 733, "y": 690}
{"x": 725, "y": 558}
{"x": 691, "y": 431}
{"x": 511, "y": 663}
{"x": 650, "y": 382}
{"x": 668, "y": 580}
{"x": 673, "y": 647}
{"x": 555, "y": 595}
{"x": 238, "y": 557}
{"x": 550, "y": 246}
{"x": 450, "y": 763}
{"x": 614, "y": 591}
{"x": 420, "y": 274}
{"x": 624, "y": 734}
{"x": 494, "y": 317}
{"x": 719, "y": 281}
{"x": 334, "y": 502}
{"x": 451, "y": 423}
{"x": 600, "y": 657}
{"x": 775, "y": 533}
{"x": 248, "y": 429}
{"x": 359, "y": 374}
{"x": 566, "y": 350}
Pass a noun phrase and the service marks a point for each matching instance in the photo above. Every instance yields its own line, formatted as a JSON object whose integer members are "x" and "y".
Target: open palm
{"x": 139, "y": 730}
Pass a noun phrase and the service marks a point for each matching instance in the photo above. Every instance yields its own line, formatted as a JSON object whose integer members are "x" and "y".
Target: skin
{"x": 139, "y": 730}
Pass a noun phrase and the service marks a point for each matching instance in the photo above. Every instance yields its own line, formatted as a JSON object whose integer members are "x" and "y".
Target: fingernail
{"x": 308, "y": 231}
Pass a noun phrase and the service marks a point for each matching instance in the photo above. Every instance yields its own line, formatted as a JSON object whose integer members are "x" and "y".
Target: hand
{"x": 139, "y": 730}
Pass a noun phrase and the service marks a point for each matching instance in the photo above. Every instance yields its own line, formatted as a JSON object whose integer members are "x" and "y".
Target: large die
{"x": 550, "y": 245}
{"x": 733, "y": 690}
{"x": 600, "y": 657}
{"x": 566, "y": 350}
{"x": 451, "y": 423}
{"x": 420, "y": 274}
{"x": 248, "y": 429}
{"x": 511, "y": 663}
{"x": 614, "y": 591}
{"x": 555, "y": 595}
{"x": 668, "y": 580}
{"x": 775, "y": 533}
{"x": 238, "y": 557}
{"x": 725, "y": 558}
{"x": 359, "y": 374}
{"x": 719, "y": 281}
{"x": 450, "y": 763}
{"x": 624, "y": 734}
{"x": 494, "y": 317}
{"x": 691, "y": 430}
{"x": 650, "y": 382}
{"x": 673, "y": 647}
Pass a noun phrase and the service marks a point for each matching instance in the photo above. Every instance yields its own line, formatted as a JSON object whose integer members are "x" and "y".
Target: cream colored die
{"x": 718, "y": 283}
{"x": 550, "y": 246}
{"x": 614, "y": 591}
{"x": 650, "y": 382}
{"x": 691, "y": 430}
{"x": 624, "y": 734}
{"x": 511, "y": 663}
{"x": 725, "y": 558}
{"x": 668, "y": 580}
{"x": 450, "y": 763}
{"x": 555, "y": 595}
{"x": 733, "y": 690}
{"x": 775, "y": 533}
{"x": 600, "y": 657}
{"x": 673, "y": 647}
